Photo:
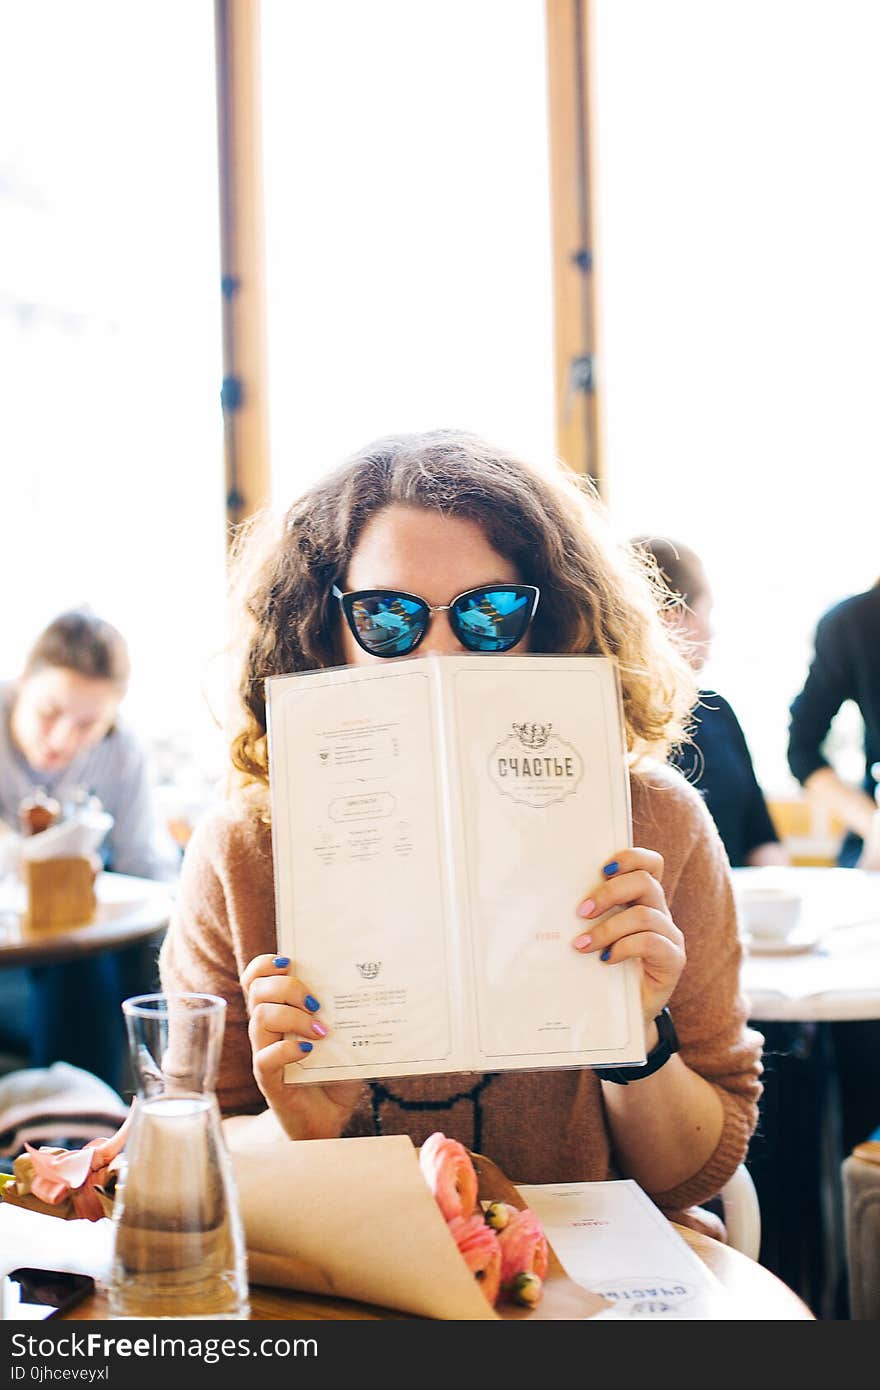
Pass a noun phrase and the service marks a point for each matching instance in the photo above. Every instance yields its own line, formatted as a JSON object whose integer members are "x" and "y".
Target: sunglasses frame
{"x": 348, "y": 599}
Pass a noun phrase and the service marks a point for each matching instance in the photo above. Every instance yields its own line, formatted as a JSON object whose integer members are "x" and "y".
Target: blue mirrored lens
{"x": 388, "y": 625}
{"x": 492, "y": 620}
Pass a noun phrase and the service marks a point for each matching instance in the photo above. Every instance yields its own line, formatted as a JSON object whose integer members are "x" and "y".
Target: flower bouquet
{"x": 70, "y": 1183}
{"x": 354, "y": 1218}
{"x": 503, "y": 1244}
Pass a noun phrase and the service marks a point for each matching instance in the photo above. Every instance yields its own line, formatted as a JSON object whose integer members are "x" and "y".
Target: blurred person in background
{"x": 716, "y": 760}
{"x": 60, "y": 734}
{"x": 845, "y": 666}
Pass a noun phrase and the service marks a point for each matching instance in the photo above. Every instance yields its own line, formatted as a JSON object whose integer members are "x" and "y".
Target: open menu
{"x": 435, "y": 823}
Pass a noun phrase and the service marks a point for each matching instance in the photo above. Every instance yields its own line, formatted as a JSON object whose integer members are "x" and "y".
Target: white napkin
{"x": 76, "y": 837}
{"x": 30, "y": 1239}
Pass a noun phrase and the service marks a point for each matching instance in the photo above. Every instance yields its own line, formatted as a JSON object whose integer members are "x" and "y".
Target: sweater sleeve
{"x": 708, "y": 1007}
{"x": 205, "y": 949}
{"x": 828, "y": 684}
{"x": 138, "y": 843}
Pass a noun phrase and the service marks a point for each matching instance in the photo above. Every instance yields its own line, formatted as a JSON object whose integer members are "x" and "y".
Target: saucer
{"x": 767, "y": 946}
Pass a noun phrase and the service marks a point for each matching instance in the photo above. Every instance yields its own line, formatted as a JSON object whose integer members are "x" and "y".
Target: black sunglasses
{"x": 390, "y": 622}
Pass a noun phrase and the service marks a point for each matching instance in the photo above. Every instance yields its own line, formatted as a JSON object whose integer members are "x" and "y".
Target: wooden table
{"x": 755, "y": 1294}
{"x": 129, "y": 910}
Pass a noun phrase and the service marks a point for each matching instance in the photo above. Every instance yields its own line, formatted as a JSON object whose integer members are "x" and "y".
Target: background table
{"x": 63, "y": 1005}
{"x": 839, "y": 978}
{"x": 130, "y": 910}
{"x": 755, "y": 1294}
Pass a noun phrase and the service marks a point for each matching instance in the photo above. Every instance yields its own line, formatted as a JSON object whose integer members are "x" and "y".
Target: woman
{"x": 436, "y": 515}
{"x": 717, "y": 759}
{"x": 60, "y": 731}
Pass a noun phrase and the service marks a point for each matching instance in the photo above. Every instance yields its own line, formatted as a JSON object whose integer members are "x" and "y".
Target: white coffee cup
{"x": 769, "y": 914}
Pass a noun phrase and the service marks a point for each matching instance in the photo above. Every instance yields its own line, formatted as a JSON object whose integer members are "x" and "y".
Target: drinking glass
{"x": 178, "y": 1245}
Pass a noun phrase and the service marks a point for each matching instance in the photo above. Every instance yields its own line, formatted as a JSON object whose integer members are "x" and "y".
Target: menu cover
{"x": 611, "y": 1238}
{"x": 435, "y": 823}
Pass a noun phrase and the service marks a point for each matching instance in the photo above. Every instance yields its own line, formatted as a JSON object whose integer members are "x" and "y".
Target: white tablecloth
{"x": 838, "y": 978}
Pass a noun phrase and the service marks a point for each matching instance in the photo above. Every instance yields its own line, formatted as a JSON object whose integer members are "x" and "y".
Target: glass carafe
{"x": 178, "y": 1245}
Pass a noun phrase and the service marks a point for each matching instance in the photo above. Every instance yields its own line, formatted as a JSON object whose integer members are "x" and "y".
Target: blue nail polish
{"x": 311, "y": 1004}
{"x": 606, "y": 954}
{"x": 611, "y": 868}
{"x": 281, "y": 962}
{"x": 305, "y": 1047}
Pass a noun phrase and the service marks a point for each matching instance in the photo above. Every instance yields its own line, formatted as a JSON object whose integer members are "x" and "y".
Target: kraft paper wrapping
{"x": 355, "y": 1219}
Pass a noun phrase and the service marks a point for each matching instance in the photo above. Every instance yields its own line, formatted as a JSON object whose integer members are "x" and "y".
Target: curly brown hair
{"x": 680, "y": 568}
{"x": 597, "y": 596}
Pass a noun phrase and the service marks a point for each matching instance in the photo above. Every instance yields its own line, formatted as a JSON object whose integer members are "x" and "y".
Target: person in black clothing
{"x": 845, "y": 666}
{"x": 717, "y": 760}
{"x": 719, "y": 763}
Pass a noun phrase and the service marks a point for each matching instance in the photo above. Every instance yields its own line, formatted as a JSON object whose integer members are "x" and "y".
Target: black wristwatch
{"x": 667, "y": 1043}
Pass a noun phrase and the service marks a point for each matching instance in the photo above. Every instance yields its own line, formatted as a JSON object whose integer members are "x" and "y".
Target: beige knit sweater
{"x": 539, "y": 1126}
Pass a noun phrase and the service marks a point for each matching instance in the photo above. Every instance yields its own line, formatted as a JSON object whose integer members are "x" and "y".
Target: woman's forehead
{"x": 421, "y": 550}
{"x": 70, "y": 690}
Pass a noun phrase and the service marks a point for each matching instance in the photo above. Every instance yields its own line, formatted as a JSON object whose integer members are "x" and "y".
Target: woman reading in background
{"x": 60, "y": 733}
{"x": 443, "y": 516}
{"x": 716, "y": 760}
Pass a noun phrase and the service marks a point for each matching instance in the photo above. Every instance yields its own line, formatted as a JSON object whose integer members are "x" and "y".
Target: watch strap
{"x": 667, "y": 1043}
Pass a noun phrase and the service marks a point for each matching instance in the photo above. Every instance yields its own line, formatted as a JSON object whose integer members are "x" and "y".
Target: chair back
{"x": 742, "y": 1213}
{"x": 861, "y": 1207}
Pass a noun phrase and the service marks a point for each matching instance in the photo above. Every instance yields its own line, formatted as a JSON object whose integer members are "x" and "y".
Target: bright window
{"x": 739, "y": 220}
{"x": 111, "y": 433}
{"x": 408, "y": 226}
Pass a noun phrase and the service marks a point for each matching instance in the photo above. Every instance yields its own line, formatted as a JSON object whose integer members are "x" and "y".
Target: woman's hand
{"x": 278, "y": 1003}
{"x": 640, "y": 926}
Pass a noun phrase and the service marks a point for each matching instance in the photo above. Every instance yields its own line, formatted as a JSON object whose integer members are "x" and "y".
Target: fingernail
{"x": 305, "y": 1047}
{"x": 319, "y": 1030}
{"x": 611, "y": 868}
{"x": 281, "y": 962}
{"x": 311, "y": 1004}
{"x": 586, "y": 909}
{"x": 606, "y": 954}
{"x": 582, "y": 942}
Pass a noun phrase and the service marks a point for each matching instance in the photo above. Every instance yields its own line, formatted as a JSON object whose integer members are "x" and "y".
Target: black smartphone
{"x": 42, "y": 1293}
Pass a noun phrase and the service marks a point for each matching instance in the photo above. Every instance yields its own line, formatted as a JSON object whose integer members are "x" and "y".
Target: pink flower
{"x": 480, "y": 1249}
{"x": 523, "y": 1247}
{"x": 76, "y": 1173}
{"x": 447, "y": 1169}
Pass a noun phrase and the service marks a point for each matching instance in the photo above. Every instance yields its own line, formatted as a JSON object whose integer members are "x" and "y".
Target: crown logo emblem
{"x": 369, "y": 969}
{"x": 532, "y": 736}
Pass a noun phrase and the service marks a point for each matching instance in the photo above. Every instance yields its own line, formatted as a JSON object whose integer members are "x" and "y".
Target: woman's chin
{"x": 46, "y": 763}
